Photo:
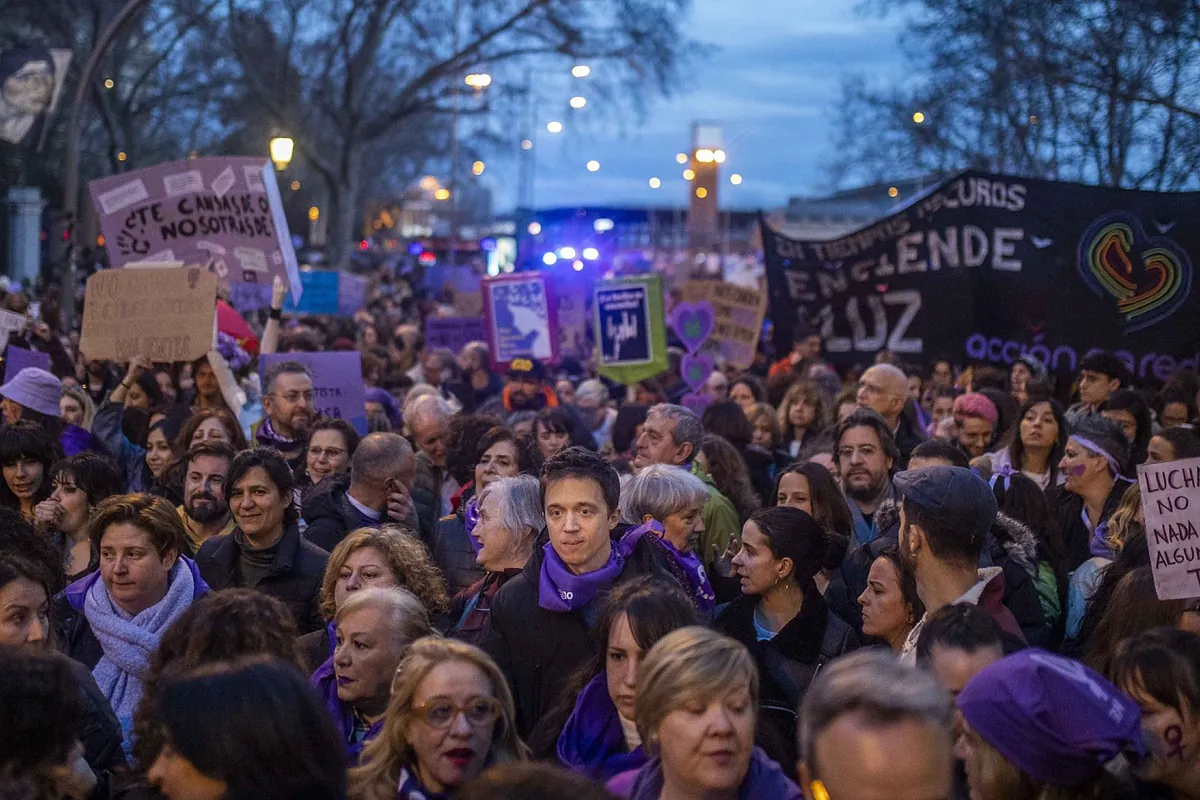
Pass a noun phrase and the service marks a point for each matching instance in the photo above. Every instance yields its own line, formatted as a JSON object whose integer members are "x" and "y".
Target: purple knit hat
{"x": 1053, "y": 718}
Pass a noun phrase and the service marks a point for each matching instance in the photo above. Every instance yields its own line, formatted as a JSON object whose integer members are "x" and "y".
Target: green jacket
{"x": 721, "y": 525}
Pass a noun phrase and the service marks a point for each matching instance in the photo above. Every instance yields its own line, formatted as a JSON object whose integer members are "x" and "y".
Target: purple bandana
{"x": 471, "y": 518}
{"x": 561, "y": 590}
{"x": 266, "y": 435}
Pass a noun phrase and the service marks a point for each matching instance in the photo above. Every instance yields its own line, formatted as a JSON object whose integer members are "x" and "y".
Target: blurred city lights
{"x": 441, "y": 194}
{"x": 719, "y": 156}
{"x": 578, "y": 102}
{"x": 893, "y": 192}
{"x": 603, "y": 224}
{"x": 581, "y": 70}
{"x": 428, "y": 183}
{"x": 681, "y": 158}
{"x": 478, "y": 80}
{"x": 704, "y": 156}
{"x": 689, "y": 174}
{"x": 478, "y": 168}
{"x": 702, "y": 193}
{"x": 919, "y": 117}
{"x": 735, "y": 179}
{"x": 577, "y": 266}
{"x": 314, "y": 213}
{"x": 591, "y": 253}
{"x": 108, "y": 83}
{"x": 535, "y": 228}
{"x": 566, "y": 252}
{"x": 295, "y": 186}
{"x": 655, "y": 183}
{"x": 549, "y": 259}
{"x": 526, "y": 144}
{"x": 554, "y": 127}
{"x": 593, "y": 166}
{"x": 121, "y": 156}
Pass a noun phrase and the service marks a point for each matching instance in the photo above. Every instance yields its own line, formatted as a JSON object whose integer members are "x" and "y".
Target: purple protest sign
{"x": 18, "y": 358}
{"x": 692, "y": 323}
{"x": 452, "y": 332}
{"x": 337, "y": 383}
{"x": 226, "y": 212}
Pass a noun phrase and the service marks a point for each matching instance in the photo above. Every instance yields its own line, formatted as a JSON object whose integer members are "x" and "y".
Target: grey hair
{"x": 875, "y": 684}
{"x": 592, "y": 389}
{"x": 424, "y": 406}
{"x": 687, "y": 425}
{"x": 284, "y": 368}
{"x": 378, "y": 456}
{"x": 406, "y": 618}
{"x": 660, "y": 490}
{"x": 520, "y": 504}
{"x": 481, "y": 351}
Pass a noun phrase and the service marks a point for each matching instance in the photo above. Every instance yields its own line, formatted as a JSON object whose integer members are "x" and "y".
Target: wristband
{"x": 126, "y": 386}
{"x": 276, "y": 314}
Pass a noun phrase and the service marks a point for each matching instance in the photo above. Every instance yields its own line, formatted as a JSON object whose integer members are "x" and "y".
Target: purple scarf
{"x": 687, "y": 569}
{"x": 592, "y": 742}
{"x": 409, "y": 788}
{"x": 1099, "y": 543}
{"x": 324, "y": 680}
{"x": 471, "y": 519}
{"x": 561, "y": 590}
{"x": 266, "y": 435}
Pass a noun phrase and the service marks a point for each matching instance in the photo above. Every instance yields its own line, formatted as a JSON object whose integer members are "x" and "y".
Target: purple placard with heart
{"x": 696, "y": 369}
{"x": 696, "y": 402}
{"x": 692, "y": 323}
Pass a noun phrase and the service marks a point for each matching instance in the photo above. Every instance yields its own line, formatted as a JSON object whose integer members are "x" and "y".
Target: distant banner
{"x": 989, "y": 268}
{"x": 451, "y": 333}
{"x": 521, "y": 319}
{"x": 31, "y": 80}
{"x": 337, "y": 383}
{"x": 226, "y": 212}
{"x": 320, "y": 293}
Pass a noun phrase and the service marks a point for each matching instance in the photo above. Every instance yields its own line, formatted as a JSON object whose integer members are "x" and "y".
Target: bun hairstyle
{"x": 794, "y": 534}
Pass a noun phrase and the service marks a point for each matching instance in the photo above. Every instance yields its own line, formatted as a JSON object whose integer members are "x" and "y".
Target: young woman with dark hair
{"x": 1127, "y": 408}
{"x": 79, "y": 484}
{"x": 890, "y": 604}
{"x": 1035, "y": 444}
{"x": 556, "y": 429}
{"x": 26, "y": 455}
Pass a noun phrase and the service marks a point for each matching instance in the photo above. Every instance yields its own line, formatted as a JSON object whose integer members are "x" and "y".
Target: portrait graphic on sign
{"x": 623, "y": 325}
{"x": 521, "y": 319}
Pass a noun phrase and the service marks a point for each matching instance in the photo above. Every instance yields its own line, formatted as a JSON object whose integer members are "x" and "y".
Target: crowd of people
{"x": 909, "y": 581}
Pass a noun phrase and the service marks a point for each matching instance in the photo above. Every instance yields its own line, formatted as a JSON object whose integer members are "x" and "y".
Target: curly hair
{"x": 463, "y": 434}
{"x": 407, "y": 556}
{"x": 729, "y": 473}
{"x": 219, "y": 626}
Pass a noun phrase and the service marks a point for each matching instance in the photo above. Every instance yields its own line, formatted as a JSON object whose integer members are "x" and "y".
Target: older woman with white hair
{"x": 668, "y": 500}
{"x": 510, "y": 519}
{"x": 591, "y": 399}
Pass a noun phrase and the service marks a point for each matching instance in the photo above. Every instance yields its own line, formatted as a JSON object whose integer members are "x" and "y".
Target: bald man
{"x": 884, "y": 388}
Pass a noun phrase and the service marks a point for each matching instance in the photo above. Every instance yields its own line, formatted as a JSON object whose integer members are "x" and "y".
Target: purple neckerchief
{"x": 471, "y": 519}
{"x": 1099, "y": 543}
{"x": 266, "y": 435}
{"x": 331, "y": 633}
{"x": 686, "y": 567}
{"x": 409, "y": 788}
{"x": 561, "y": 590}
{"x": 592, "y": 742}
{"x": 324, "y": 680}
{"x": 1004, "y": 475}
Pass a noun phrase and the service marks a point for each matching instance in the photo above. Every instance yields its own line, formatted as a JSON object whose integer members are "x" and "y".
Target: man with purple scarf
{"x": 542, "y": 618}
{"x": 288, "y": 401}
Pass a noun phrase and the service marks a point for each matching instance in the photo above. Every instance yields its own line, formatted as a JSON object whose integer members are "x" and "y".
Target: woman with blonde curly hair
{"x": 451, "y": 716}
{"x": 803, "y": 414}
{"x": 390, "y": 556}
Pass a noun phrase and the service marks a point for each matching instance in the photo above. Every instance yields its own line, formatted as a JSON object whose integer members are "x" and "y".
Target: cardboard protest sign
{"x": 452, "y": 332}
{"x": 738, "y": 317}
{"x": 631, "y": 334}
{"x": 521, "y": 319}
{"x": 10, "y": 322}
{"x": 163, "y": 314}
{"x": 1171, "y": 503}
{"x": 352, "y": 293}
{"x": 337, "y": 383}
{"x": 320, "y": 293}
{"x": 18, "y": 358}
{"x": 226, "y": 212}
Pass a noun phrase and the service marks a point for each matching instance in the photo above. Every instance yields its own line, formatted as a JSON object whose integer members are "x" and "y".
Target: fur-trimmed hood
{"x": 888, "y": 514}
{"x": 1014, "y": 540}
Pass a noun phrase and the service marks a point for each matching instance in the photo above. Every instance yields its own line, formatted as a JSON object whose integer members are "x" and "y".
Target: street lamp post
{"x": 282, "y": 149}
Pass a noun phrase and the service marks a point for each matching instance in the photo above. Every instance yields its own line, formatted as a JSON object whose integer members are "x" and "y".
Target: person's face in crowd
{"x": 1039, "y": 428}
{"x": 257, "y": 506}
{"x": 133, "y": 572}
{"x": 1018, "y": 377}
{"x": 429, "y": 435}
{"x": 290, "y": 403}
{"x": 1169, "y": 731}
{"x": 524, "y": 388}
{"x": 136, "y": 397}
{"x": 365, "y": 659}
{"x": 1159, "y": 451}
{"x": 742, "y": 394}
{"x": 70, "y": 410}
{"x": 24, "y": 614}
{"x": 1173, "y": 415}
{"x": 211, "y": 430}
{"x": 454, "y": 717}
{"x": 158, "y": 452}
{"x": 656, "y": 444}
{"x": 206, "y": 381}
{"x": 914, "y": 388}
{"x": 989, "y": 775}
{"x": 498, "y": 461}
{"x": 882, "y": 392}
{"x": 179, "y": 779}
{"x": 1080, "y": 466}
{"x": 795, "y": 492}
{"x": 566, "y": 392}
{"x": 809, "y": 347}
{"x": 12, "y": 411}
{"x": 764, "y": 433}
{"x": 1095, "y": 387}
{"x": 717, "y": 387}
{"x": 327, "y": 454}
{"x": 24, "y": 477}
{"x": 884, "y": 613}
{"x": 756, "y": 567}
{"x": 74, "y": 503}
{"x": 705, "y": 743}
{"x": 370, "y": 336}
{"x": 204, "y": 488}
{"x": 166, "y": 385}
{"x": 551, "y": 442}
{"x": 680, "y": 527}
{"x": 845, "y": 409}
{"x": 364, "y": 568}
{"x": 498, "y": 546}
{"x": 591, "y": 412}
{"x": 974, "y": 434}
{"x": 861, "y": 758}
{"x": 955, "y": 667}
{"x": 1125, "y": 419}
{"x": 862, "y": 463}
{"x": 801, "y": 414}
{"x": 579, "y": 522}
{"x": 621, "y": 662}
{"x": 942, "y": 407}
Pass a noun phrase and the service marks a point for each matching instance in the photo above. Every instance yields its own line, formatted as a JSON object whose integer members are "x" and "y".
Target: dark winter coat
{"x": 1013, "y": 547}
{"x": 471, "y": 609}
{"x": 851, "y": 580}
{"x": 98, "y": 729}
{"x": 426, "y": 493}
{"x": 295, "y": 576}
{"x": 452, "y": 552}
{"x": 1070, "y": 521}
{"x": 329, "y": 515}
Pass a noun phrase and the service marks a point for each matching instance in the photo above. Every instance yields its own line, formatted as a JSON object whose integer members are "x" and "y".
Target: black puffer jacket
{"x": 329, "y": 515}
{"x": 1013, "y": 547}
{"x": 452, "y": 552}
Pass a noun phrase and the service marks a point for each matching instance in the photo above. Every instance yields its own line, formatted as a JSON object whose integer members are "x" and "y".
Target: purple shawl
{"x": 592, "y": 742}
{"x": 561, "y": 590}
{"x": 324, "y": 680}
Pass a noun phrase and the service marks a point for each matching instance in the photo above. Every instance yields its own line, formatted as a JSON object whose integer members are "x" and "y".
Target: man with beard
{"x": 945, "y": 516}
{"x": 288, "y": 401}
{"x": 204, "y": 512}
{"x": 527, "y": 390}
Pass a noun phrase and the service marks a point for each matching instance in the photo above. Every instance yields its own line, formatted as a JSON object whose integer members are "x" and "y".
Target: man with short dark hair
{"x": 806, "y": 350}
{"x": 1100, "y": 374}
{"x": 204, "y": 512}
{"x": 937, "y": 452}
{"x": 288, "y": 403}
{"x": 542, "y": 619}
{"x": 945, "y": 516}
{"x": 958, "y": 642}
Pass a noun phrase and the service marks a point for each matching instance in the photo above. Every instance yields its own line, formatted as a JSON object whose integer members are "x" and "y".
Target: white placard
{"x": 1171, "y": 504}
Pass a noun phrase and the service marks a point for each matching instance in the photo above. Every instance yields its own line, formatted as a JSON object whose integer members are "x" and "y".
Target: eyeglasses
{"x": 329, "y": 452}
{"x": 440, "y": 713}
{"x": 295, "y": 397}
{"x": 865, "y": 451}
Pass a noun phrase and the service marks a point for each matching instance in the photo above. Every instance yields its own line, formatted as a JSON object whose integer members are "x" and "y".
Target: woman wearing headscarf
{"x": 1092, "y": 462}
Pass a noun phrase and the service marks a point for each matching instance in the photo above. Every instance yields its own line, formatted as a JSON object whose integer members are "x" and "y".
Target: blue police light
{"x": 415, "y": 249}
{"x": 487, "y": 243}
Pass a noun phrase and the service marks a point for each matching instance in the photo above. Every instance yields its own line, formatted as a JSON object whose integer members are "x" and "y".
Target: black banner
{"x": 988, "y": 267}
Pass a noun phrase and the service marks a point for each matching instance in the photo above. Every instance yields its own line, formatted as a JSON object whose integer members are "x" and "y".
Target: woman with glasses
{"x": 451, "y": 716}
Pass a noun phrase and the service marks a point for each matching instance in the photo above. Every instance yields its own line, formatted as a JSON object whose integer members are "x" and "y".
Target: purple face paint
{"x": 1078, "y": 470}
{"x": 1173, "y": 736}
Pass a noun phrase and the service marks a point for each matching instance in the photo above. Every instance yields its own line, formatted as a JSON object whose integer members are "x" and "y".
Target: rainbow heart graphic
{"x": 1150, "y": 277}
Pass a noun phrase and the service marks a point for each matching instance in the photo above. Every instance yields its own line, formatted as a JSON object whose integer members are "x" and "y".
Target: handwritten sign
{"x": 226, "y": 212}
{"x": 623, "y": 324}
{"x": 1171, "y": 503}
{"x": 18, "y": 358}
{"x": 452, "y": 332}
{"x": 738, "y": 319}
{"x": 337, "y": 383}
{"x": 521, "y": 319}
{"x": 572, "y": 324}
{"x": 164, "y": 314}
